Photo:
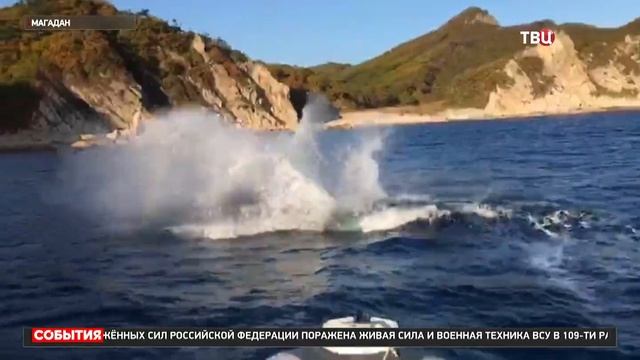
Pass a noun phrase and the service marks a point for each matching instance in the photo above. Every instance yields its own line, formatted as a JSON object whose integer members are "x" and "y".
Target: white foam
{"x": 485, "y": 211}
{"x": 538, "y": 225}
{"x": 420, "y": 198}
{"x": 560, "y": 222}
{"x": 391, "y": 218}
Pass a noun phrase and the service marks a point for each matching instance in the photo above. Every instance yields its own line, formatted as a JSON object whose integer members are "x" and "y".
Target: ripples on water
{"x": 523, "y": 223}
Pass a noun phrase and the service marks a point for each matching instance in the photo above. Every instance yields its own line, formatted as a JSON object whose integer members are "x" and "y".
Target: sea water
{"x": 530, "y": 222}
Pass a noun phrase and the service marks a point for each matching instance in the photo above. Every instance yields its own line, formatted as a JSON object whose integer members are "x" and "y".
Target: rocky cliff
{"x": 93, "y": 86}
{"x": 555, "y": 79}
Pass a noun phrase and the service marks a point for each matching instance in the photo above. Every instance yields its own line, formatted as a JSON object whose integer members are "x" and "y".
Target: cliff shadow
{"x": 144, "y": 72}
{"x": 18, "y": 102}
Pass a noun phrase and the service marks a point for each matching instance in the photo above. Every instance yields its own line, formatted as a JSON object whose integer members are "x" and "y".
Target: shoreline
{"x": 349, "y": 119}
{"x": 399, "y": 116}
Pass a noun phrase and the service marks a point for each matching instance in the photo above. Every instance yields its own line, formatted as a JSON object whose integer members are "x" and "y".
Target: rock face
{"x": 58, "y": 117}
{"x": 571, "y": 85}
{"x": 618, "y": 76}
{"x": 256, "y": 100}
{"x": 63, "y": 113}
{"x": 93, "y": 87}
{"x": 78, "y": 114}
{"x": 477, "y": 16}
{"x": 277, "y": 93}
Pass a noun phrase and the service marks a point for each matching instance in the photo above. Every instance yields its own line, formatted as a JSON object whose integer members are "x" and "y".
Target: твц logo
{"x": 544, "y": 37}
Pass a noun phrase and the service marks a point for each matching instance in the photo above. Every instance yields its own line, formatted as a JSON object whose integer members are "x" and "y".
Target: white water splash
{"x": 538, "y": 225}
{"x": 560, "y": 222}
{"x": 486, "y": 211}
{"x": 199, "y": 175}
{"x": 390, "y": 218}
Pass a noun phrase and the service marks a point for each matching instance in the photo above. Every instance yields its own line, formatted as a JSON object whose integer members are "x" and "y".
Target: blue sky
{"x": 305, "y": 32}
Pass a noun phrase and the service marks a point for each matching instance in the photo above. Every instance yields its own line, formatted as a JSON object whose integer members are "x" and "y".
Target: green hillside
{"x": 458, "y": 64}
{"x": 148, "y": 54}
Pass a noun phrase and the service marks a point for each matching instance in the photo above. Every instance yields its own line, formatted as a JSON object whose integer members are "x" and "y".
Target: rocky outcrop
{"x": 621, "y": 74}
{"x": 255, "y": 100}
{"x": 119, "y": 101}
{"x": 572, "y": 85}
{"x": 98, "y": 87}
{"x": 277, "y": 93}
{"x": 482, "y": 17}
{"x": 63, "y": 113}
{"x": 77, "y": 114}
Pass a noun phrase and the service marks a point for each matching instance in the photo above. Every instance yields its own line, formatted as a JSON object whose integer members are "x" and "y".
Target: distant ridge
{"x": 463, "y": 62}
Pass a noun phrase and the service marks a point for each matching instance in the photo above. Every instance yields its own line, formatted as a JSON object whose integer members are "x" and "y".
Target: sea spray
{"x": 359, "y": 187}
{"x": 193, "y": 172}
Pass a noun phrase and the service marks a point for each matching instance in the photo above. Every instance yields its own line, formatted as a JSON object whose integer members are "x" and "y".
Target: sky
{"x": 305, "y": 32}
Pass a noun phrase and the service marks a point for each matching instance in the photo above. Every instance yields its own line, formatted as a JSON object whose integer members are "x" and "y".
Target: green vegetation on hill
{"x": 458, "y": 64}
{"x": 597, "y": 46}
{"x": 157, "y": 55}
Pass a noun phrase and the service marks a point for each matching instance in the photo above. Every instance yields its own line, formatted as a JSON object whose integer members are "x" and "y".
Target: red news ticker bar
{"x": 75, "y": 335}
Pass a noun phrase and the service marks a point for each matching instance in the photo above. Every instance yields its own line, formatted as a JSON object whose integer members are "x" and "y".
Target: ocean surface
{"x": 530, "y": 222}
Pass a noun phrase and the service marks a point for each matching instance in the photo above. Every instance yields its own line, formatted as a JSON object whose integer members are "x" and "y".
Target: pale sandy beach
{"x": 390, "y": 116}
